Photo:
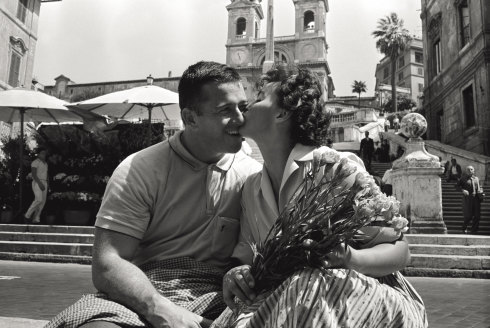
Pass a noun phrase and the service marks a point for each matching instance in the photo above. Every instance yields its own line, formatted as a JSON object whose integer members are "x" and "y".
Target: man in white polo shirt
{"x": 169, "y": 218}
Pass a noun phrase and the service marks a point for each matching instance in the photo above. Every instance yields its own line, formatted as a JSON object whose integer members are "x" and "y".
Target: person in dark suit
{"x": 367, "y": 150}
{"x": 454, "y": 171}
{"x": 470, "y": 186}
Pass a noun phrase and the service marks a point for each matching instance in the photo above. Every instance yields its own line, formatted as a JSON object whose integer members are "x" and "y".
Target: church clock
{"x": 239, "y": 56}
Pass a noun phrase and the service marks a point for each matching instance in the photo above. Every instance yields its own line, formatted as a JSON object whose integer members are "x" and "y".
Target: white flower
{"x": 399, "y": 223}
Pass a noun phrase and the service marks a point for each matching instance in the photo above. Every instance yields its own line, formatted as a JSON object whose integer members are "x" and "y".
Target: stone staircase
{"x": 452, "y": 203}
{"x": 465, "y": 256}
{"x": 44, "y": 243}
{"x": 432, "y": 255}
{"x": 452, "y": 208}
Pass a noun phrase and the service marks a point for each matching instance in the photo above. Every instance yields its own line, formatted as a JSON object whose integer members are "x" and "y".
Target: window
{"x": 419, "y": 57}
{"x": 386, "y": 72}
{"x": 241, "y": 28}
{"x": 341, "y": 134}
{"x": 256, "y": 30}
{"x": 309, "y": 22}
{"x": 22, "y": 10}
{"x": 14, "y": 73}
{"x": 421, "y": 87}
{"x": 469, "y": 106}
{"x": 420, "y": 71}
{"x": 401, "y": 62}
{"x": 464, "y": 19}
{"x": 400, "y": 76}
{"x": 437, "y": 60}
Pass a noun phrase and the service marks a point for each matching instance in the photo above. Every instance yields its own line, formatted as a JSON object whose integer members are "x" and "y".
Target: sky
{"x": 111, "y": 40}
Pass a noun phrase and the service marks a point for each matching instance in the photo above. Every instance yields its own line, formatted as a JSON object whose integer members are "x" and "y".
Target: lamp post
{"x": 149, "y": 81}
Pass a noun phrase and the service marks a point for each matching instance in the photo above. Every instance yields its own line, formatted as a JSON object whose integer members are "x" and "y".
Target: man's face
{"x": 366, "y": 134}
{"x": 220, "y": 117}
{"x": 471, "y": 171}
{"x": 42, "y": 155}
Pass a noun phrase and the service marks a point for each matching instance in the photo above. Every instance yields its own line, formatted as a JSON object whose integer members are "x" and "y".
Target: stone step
{"x": 478, "y": 250}
{"x": 450, "y": 262}
{"x": 47, "y": 237}
{"x": 46, "y": 248}
{"x": 448, "y": 273}
{"x": 54, "y": 258}
{"x": 46, "y": 228}
{"x": 439, "y": 239}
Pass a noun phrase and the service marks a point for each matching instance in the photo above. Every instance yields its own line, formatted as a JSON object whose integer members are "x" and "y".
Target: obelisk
{"x": 269, "y": 43}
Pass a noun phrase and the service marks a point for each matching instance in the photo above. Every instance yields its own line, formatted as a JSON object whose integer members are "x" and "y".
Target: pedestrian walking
{"x": 387, "y": 125}
{"x": 396, "y": 123}
{"x": 367, "y": 150}
{"x": 454, "y": 171}
{"x": 39, "y": 171}
{"x": 472, "y": 198}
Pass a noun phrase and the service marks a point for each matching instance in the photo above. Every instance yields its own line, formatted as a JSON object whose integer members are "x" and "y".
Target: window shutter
{"x": 14, "y": 70}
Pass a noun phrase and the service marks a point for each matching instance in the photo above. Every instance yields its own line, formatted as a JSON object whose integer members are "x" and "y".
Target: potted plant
{"x": 77, "y": 207}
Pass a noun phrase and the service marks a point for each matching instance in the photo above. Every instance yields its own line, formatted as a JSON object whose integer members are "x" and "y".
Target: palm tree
{"x": 359, "y": 87}
{"x": 392, "y": 40}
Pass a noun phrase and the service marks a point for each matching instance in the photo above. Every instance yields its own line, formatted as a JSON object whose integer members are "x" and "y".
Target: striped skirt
{"x": 332, "y": 299}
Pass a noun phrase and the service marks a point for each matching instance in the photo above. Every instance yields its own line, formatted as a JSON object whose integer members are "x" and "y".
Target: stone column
{"x": 416, "y": 181}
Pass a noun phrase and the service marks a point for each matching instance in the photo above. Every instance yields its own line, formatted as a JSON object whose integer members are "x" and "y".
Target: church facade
{"x": 245, "y": 50}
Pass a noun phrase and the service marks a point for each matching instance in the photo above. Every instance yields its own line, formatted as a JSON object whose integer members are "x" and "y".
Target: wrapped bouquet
{"x": 324, "y": 213}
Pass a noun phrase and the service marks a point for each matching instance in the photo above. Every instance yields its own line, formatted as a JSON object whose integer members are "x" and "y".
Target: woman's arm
{"x": 379, "y": 260}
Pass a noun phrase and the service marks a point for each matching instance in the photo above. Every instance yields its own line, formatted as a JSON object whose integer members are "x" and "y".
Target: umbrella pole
{"x": 21, "y": 161}
{"x": 149, "y": 125}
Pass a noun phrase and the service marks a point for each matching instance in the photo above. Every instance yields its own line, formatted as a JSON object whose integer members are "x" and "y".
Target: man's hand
{"x": 466, "y": 192}
{"x": 238, "y": 282}
{"x": 174, "y": 316}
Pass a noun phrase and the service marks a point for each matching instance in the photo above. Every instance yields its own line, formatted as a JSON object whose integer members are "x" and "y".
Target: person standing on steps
{"x": 367, "y": 150}
{"x": 39, "y": 169}
{"x": 472, "y": 198}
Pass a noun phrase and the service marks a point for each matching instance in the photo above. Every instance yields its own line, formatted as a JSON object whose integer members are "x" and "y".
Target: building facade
{"x": 409, "y": 74}
{"x": 18, "y": 38}
{"x": 457, "y": 60}
{"x": 245, "y": 50}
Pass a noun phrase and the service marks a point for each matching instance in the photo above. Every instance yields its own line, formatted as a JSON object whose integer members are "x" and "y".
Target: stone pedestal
{"x": 416, "y": 181}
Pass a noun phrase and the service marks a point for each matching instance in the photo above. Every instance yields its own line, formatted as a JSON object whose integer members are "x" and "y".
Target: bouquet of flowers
{"x": 323, "y": 214}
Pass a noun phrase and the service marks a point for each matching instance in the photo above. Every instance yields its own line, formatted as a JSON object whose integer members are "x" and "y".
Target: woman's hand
{"x": 340, "y": 257}
{"x": 238, "y": 282}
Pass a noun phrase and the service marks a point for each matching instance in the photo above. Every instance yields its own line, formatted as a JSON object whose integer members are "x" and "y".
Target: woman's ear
{"x": 188, "y": 117}
{"x": 283, "y": 115}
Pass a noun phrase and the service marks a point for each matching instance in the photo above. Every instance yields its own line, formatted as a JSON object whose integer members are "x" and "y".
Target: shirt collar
{"x": 224, "y": 164}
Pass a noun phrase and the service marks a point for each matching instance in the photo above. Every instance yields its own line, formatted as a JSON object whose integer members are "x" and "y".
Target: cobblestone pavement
{"x": 39, "y": 291}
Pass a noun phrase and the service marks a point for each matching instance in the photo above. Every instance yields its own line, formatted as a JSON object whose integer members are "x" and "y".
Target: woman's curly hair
{"x": 300, "y": 92}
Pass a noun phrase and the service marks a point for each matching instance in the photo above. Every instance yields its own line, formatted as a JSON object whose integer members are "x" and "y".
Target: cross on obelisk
{"x": 269, "y": 43}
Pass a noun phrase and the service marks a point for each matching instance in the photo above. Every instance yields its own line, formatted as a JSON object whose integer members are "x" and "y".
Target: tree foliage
{"x": 392, "y": 40}
{"x": 403, "y": 103}
{"x": 359, "y": 87}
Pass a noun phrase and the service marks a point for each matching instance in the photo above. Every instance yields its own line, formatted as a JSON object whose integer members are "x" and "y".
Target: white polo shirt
{"x": 177, "y": 205}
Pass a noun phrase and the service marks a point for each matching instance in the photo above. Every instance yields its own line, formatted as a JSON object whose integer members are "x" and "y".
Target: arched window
{"x": 279, "y": 58}
{"x": 309, "y": 21}
{"x": 241, "y": 28}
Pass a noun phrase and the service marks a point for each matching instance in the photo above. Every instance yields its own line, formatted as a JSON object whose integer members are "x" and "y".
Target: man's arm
{"x": 115, "y": 275}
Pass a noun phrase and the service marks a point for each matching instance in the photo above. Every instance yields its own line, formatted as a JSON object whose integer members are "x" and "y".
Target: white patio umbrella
{"x": 136, "y": 103}
{"x": 20, "y": 105}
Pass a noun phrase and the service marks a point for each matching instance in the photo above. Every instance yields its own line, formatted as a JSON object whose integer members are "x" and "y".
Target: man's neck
{"x": 193, "y": 146}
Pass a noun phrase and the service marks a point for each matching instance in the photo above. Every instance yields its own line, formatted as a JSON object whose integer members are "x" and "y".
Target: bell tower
{"x": 310, "y": 17}
{"x": 244, "y": 18}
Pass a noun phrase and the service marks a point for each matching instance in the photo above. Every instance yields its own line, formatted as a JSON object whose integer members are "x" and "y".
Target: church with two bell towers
{"x": 246, "y": 51}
